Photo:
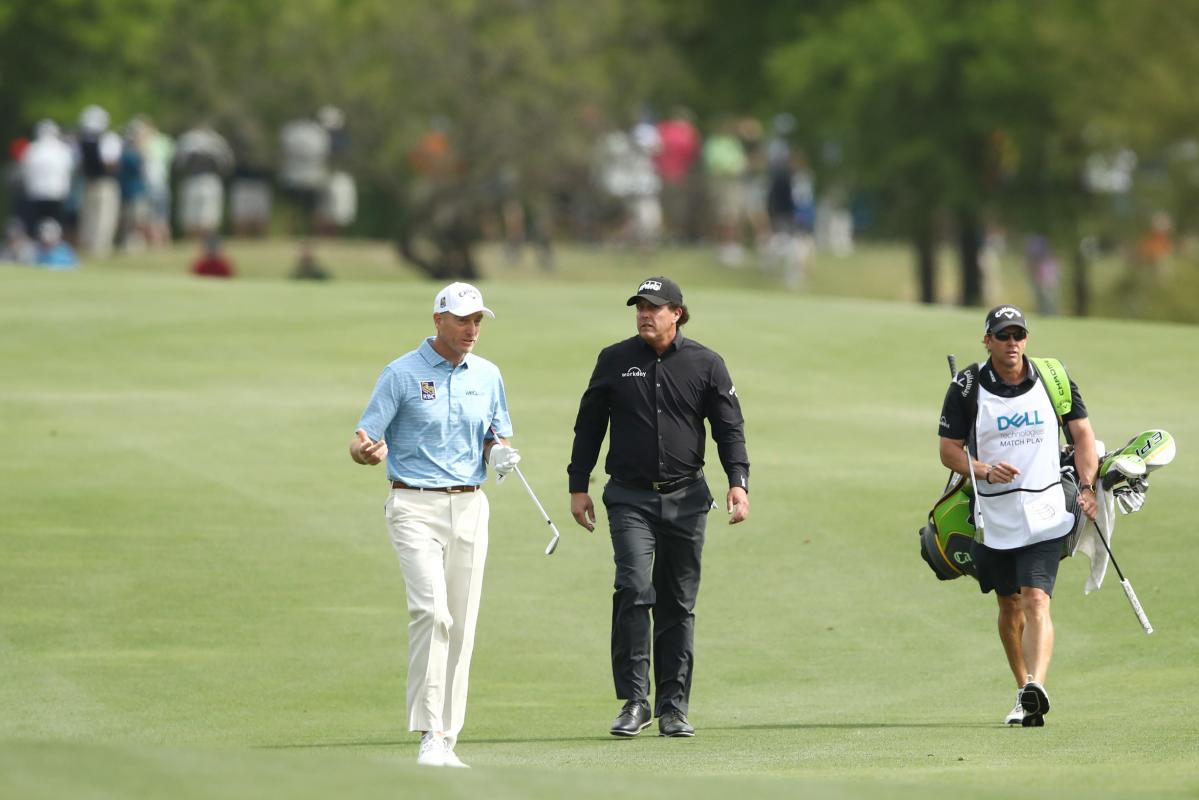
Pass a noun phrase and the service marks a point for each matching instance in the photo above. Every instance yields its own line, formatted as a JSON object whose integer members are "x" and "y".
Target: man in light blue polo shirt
{"x": 439, "y": 416}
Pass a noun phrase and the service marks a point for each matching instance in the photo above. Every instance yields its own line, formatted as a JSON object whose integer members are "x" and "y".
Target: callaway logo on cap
{"x": 461, "y": 300}
{"x": 1001, "y": 317}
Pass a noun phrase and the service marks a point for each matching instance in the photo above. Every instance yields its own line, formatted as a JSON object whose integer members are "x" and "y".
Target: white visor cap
{"x": 462, "y": 300}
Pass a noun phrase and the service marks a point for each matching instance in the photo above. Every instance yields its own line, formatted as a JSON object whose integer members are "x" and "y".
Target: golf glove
{"x": 503, "y": 459}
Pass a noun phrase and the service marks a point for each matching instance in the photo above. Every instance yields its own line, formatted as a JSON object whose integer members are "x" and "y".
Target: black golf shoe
{"x": 674, "y": 723}
{"x": 1035, "y": 700}
{"x": 633, "y": 719}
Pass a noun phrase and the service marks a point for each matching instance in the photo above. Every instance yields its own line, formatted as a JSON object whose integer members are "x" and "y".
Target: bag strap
{"x": 1056, "y": 383}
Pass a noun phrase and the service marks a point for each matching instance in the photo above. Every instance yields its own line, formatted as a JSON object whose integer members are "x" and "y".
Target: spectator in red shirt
{"x": 680, "y": 146}
{"x": 212, "y": 263}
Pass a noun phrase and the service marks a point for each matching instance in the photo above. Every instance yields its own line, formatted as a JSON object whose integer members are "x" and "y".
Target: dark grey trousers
{"x": 657, "y": 540}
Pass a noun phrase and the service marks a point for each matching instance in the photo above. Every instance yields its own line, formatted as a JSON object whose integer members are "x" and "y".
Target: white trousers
{"x": 441, "y": 540}
{"x": 99, "y": 215}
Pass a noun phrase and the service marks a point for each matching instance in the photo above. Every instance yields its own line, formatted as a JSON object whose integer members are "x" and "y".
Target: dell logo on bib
{"x": 1020, "y": 420}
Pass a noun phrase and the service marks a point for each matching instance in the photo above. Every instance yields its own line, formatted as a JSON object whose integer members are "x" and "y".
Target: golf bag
{"x": 946, "y": 539}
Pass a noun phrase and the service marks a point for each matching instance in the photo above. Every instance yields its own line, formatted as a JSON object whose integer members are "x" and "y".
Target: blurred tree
{"x": 914, "y": 92}
{"x": 56, "y": 56}
{"x": 503, "y": 85}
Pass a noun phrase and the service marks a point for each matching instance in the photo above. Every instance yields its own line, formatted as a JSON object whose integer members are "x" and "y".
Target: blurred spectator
{"x": 780, "y": 197}
{"x": 677, "y": 155}
{"x": 14, "y": 183}
{"x": 158, "y": 151}
{"x": 726, "y": 165}
{"x": 523, "y": 219}
{"x": 250, "y": 196}
{"x": 1043, "y": 274}
{"x": 754, "y": 181}
{"x": 304, "y": 170}
{"x": 625, "y": 171}
{"x": 202, "y": 159}
{"x": 131, "y": 176}
{"x": 52, "y": 252}
{"x": 212, "y": 262}
{"x": 789, "y": 203}
{"x": 46, "y": 168}
{"x": 99, "y": 158}
{"x": 1157, "y": 244}
{"x": 17, "y": 247}
{"x": 307, "y": 267}
{"x": 990, "y": 261}
{"x": 338, "y": 204}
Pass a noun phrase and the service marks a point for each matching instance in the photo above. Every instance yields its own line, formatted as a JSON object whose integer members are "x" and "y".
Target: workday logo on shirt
{"x": 633, "y": 372}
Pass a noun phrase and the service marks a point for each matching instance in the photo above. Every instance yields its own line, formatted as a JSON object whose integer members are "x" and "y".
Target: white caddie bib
{"x": 1022, "y": 431}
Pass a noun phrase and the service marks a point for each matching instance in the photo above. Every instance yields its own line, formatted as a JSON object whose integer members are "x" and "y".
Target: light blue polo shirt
{"x": 436, "y": 417}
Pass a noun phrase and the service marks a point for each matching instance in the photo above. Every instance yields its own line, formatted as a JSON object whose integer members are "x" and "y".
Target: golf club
{"x": 953, "y": 372}
{"x": 553, "y": 545}
{"x": 978, "y": 500}
{"x": 1128, "y": 592}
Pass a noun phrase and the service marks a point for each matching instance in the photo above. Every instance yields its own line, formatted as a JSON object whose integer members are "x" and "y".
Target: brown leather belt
{"x": 444, "y": 489}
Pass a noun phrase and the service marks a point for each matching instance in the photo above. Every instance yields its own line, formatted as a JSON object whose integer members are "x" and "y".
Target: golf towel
{"x": 1089, "y": 544}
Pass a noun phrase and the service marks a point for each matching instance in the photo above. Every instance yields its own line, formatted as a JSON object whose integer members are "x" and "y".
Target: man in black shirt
{"x": 656, "y": 389}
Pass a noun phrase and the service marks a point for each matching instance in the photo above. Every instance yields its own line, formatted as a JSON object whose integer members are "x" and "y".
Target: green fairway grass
{"x": 198, "y": 597}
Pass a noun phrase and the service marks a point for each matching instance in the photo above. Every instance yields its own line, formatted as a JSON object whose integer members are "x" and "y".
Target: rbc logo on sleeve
{"x": 428, "y": 390}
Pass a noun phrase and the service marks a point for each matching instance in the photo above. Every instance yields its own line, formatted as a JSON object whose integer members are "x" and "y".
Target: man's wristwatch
{"x": 1089, "y": 486}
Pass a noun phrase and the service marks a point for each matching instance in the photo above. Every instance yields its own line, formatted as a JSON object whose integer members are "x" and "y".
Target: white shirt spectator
{"x": 47, "y": 164}
{"x": 305, "y": 145}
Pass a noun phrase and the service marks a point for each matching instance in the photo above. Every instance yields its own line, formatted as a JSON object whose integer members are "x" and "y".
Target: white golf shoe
{"x": 1016, "y": 715}
{"x": 432, "y": 751}
{"x": 452, "y": 760}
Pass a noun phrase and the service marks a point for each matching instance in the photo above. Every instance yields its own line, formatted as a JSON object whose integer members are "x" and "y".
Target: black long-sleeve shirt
{"x": 657, "y": 407}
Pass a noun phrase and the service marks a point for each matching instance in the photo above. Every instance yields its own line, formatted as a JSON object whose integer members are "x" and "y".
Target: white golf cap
{"x": 461, "y": 299}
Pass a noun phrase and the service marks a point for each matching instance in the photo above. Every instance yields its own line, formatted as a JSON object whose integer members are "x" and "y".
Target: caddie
{"x": 1007, "y": 412}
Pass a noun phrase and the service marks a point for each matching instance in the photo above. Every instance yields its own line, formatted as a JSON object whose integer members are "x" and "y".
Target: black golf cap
{"x": 658, "y": 291}
{"x": 1001, "y": 317}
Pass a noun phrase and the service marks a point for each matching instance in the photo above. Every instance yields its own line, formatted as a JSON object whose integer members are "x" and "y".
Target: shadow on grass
{"x": 777, "y": 726}
{"x": 849, "y": 726}
{"x": 412, "y": 741}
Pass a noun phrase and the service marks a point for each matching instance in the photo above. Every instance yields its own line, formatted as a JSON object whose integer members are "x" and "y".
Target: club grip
{"x": 1136, "y": 606}
{"x": 953, "y": 365}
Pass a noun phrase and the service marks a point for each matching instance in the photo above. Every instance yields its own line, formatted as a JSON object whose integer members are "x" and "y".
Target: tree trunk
{"x": 926, "y": 260}
{"x": 969, "y": 247}
{"x": 1082, "y": 285}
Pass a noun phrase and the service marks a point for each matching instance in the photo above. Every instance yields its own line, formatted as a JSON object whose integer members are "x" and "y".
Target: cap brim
{"x": 653, "y": 298}
{"x": 1009, "y": 325}
{"x": 487, "y": 312}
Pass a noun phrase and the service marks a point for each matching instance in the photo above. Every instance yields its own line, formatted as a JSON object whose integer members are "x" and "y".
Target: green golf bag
{"x": 946, "y": 539}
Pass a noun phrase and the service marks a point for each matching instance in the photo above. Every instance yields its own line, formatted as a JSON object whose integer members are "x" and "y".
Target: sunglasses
{"x": 1019, "y": 335}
